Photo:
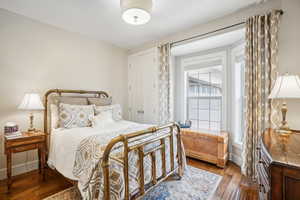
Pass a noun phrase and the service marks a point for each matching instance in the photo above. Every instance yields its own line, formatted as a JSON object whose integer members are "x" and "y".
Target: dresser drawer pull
{"x": 258, "y": 148}
{"x": 261, "y": 161}
{"x": 262, "y": 188}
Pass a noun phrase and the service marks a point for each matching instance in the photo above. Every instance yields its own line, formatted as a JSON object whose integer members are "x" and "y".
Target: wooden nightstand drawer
{"x": 25, "y": 148}
{"x": 24, "y": 141}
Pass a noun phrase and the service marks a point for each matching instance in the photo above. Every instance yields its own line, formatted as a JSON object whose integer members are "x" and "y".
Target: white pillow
{"x": 103, "y": 118}
{"x": 116, "y": 111}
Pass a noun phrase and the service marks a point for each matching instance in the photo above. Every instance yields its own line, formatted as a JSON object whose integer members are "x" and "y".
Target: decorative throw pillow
{"x": 103, "y": 118}
{"x": 100, "y": 101}
{"x": 116, "y": 111}
{"x": 72, "y": 116}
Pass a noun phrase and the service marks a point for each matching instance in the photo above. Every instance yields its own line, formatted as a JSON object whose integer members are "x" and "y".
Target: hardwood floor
{"x": 30, "y": 186}
{"x": 233, "y": 185}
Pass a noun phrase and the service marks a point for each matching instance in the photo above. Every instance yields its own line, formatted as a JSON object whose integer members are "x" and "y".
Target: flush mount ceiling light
{"x": 136, "y": 12}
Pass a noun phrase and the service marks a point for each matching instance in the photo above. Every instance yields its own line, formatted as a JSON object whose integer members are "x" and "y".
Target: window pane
{"x": 194, "y": 123}
{"x": 203, "y": 103}
{"x": 216, "y": 103}
{"x": 215, "y": 125}
{"x": 204, "y": 97}
{"x": 193, "y": 103}
{"x": 204, "y": 124}
{"x": 193, "y": 113}
{"x": 204, "y": 115}
{"x": 215, "y": 116}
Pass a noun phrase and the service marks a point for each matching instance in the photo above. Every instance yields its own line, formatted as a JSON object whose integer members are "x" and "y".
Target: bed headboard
{"x": 74, "y": 93}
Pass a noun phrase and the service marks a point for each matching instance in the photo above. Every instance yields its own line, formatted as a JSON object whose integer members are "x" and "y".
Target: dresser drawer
{"x": 263, "y": 196}
{"x": 263, "y": 178}
{"x": 263, "y": 174}
{"x": 264, "y": 159}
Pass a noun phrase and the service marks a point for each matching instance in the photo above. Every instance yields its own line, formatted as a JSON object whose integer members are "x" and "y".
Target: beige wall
{"x": 37, "y": 57}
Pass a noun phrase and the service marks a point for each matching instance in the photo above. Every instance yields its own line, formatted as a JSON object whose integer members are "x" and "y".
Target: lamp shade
{"x": 136, "y": 12}
{"x": 31, "y": 101}
{"x": 286, "y": 87}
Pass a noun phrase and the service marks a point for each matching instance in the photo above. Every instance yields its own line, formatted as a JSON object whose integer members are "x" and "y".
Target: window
{"x": 204, "y": 97}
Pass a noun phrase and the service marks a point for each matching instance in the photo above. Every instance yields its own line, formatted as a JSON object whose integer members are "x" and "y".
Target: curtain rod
{"x": 208, "y": 33}
{"x": 214, "y": 31}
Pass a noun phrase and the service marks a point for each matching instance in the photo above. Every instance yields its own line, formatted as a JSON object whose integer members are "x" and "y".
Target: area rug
{"x": 196, "y": 184}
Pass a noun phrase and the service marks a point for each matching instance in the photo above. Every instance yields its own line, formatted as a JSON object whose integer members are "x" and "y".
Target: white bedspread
{"x": 64, "y": 143}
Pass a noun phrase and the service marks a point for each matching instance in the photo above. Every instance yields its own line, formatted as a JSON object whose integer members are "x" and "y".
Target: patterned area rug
{"x": 196, "y": 184}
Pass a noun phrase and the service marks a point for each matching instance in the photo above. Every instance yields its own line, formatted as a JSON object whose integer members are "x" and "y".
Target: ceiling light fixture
{"x": 136, "y": 12}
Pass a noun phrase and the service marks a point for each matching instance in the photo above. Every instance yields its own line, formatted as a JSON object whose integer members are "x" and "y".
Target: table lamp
{"x": 286, "y": 87}
{"x": 31, "y": 102}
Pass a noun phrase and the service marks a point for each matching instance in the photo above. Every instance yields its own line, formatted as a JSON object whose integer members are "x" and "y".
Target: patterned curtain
{"x": 164, "y": 84}
{"x": 260, "y": 75}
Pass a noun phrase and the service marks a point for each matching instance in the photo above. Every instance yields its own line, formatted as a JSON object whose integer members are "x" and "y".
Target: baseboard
{"x": 20, "y": 169}
{"x": 236, "y": 159}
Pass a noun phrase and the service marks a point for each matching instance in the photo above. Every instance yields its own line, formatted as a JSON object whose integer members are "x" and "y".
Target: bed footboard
{"x": 127, "y": 148}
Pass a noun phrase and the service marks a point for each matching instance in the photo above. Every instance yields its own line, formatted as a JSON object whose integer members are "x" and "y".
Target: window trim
{"x": 204, "y": 61}
{"x": 237, "y": 52}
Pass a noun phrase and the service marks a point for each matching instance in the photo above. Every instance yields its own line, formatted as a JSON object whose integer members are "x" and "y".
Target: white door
{"x": 142, "y": 87}
{"x": 150, "y": 92}
{"x": 135, "y": 90}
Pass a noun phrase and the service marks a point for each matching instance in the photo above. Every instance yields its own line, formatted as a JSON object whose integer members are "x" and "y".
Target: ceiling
{"x": 208, "y": 43}
{"x": 101, "y": 19}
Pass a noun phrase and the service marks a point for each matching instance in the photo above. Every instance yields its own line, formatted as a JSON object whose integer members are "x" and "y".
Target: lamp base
{"x": 284, "y": 127}
{"x": 31, "y": 128}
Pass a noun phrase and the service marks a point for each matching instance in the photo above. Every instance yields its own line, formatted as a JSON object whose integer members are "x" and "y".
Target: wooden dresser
{"x": 279, "y": 166}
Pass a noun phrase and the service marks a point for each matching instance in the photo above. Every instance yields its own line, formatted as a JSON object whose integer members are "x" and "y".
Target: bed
{"x": 119, "y": 160}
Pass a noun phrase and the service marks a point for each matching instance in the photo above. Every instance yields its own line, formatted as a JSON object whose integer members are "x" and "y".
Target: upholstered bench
{"x": 206, "y": 145}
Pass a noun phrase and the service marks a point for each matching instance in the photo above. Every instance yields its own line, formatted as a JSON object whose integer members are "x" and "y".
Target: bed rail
{"x": 127, "y": 148}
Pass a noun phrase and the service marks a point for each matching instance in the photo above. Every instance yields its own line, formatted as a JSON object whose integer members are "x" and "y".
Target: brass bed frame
{"x": 126, "y": 140}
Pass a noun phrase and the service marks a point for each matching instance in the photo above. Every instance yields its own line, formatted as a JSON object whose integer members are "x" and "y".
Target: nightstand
{"x": 28, "y": 141}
